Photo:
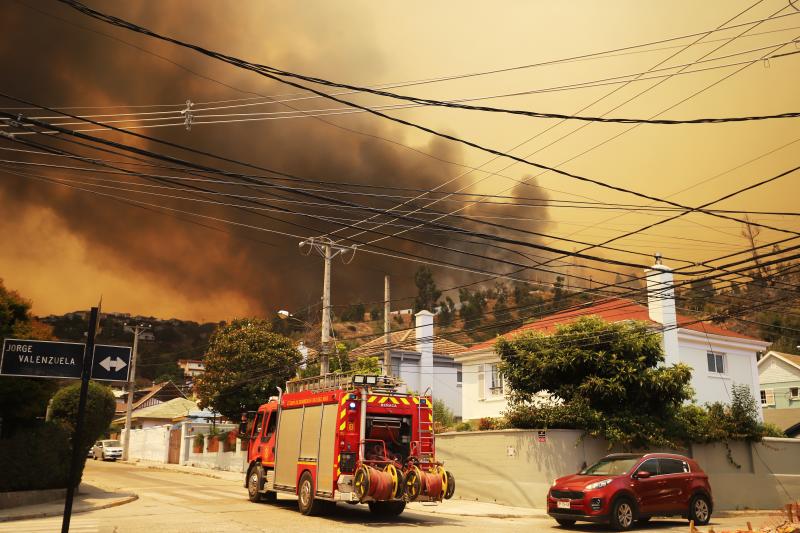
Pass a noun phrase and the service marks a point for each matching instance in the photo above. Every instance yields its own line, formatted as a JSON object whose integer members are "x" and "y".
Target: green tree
{"x": 501, "y": 312}
{"x": 427, "y": 293}
{"x": 473, "y": 307}
{"x": 603, "y": 377}
{"x": 22, "y": 400}
{"x": 559, "y": 294}
{"x": 100, "y": 406}
{"x": 245, "y": 361}
{"x": 354, "y": 313}
{"x": 447, "y": 312}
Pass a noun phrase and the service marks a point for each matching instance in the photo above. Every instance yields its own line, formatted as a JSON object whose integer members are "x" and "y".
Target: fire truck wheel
{"x": 451, "y": 486}
{"x": 306, "y": 501}
{"x": 387, "y": 508}
{"x": 255, "y": 480}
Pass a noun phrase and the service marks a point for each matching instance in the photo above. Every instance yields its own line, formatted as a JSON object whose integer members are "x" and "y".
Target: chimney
{"x": 424, "y": 338}
{"x": 661, "y": 308}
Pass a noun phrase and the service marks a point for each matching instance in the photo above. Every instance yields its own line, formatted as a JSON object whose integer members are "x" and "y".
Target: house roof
{"x": 161, "y": 391}
{"x": 611, "y": 310}
{"x": 792, "y": 359}
{"x": 406, "y": 340}
{"x": 166, "y": 410}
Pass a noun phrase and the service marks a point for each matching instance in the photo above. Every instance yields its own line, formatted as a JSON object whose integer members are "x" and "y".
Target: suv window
{"x": 673, "y": 466}
{"x": 651, "y": 465}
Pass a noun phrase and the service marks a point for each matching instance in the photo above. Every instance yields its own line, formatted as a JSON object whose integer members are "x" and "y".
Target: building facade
{"x": 719, "y": 358}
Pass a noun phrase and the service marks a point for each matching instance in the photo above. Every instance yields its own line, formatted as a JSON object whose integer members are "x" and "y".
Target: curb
{"x": 201, "y": 472}
{"x": 46, "y": 514}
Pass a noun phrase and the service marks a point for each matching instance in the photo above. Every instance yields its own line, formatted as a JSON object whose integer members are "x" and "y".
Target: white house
{"x": 719, "y": 358}
{"x": 422, "y": 360}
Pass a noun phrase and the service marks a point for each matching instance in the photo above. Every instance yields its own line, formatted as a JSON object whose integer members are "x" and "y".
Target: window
{"x": 495, "y": 381}
{"x": 459, "y": 377}
{"x": 651, "y": 465}
{"x": 768, "y": 397}
{"x": 271, "y": 426}
{"x": 716, "y": 362}
{"x": 794, "y": 393}
{"x": 673, "y": 466}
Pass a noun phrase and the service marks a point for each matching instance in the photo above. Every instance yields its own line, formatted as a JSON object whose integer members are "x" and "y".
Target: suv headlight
{"x": 598, "y": 484}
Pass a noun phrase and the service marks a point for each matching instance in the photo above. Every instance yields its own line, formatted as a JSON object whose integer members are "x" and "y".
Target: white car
{"x": 107, "y": 450}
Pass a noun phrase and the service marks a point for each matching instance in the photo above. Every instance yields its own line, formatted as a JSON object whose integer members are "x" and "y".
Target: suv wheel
{"x": 700, "y": 510}
{"x": 622, "y": 514}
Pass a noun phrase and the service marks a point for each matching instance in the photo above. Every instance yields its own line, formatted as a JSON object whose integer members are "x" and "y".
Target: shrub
{"x": 442, "y": 414}
{"x": 100, "y": 406}
{"x": 464, "y": 426}
{"x": 485, "y": 424}
{"x": 37, "y": 458}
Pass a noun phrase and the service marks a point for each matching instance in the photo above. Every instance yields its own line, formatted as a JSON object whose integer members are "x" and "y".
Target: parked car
{"x": 107, "y": 450}
{"x": 622, "y": 489}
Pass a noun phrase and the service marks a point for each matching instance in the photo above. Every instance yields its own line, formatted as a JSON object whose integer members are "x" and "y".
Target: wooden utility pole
{"x": 387, "y": 337}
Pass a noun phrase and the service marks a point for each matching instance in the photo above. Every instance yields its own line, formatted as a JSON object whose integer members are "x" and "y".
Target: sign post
{"x": 77, "y": 450}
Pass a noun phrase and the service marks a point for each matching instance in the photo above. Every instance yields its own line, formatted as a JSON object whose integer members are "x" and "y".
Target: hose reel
{"x": 378, "y": 485}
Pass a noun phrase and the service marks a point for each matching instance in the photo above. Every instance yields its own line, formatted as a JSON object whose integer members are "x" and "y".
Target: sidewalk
{"x": 88, "y": 498}
{"x": 194, "y": 470}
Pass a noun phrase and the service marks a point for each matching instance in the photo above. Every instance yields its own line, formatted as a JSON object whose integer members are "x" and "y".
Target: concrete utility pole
{"x": 126, "y": 439}
{"x": 387, "y": 338}
{"x": 328, "y": 249}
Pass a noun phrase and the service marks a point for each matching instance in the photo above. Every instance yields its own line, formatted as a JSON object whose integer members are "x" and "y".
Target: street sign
{"x": 41, "y": 359}
{"x": 62, "y": 360}
{"x": 111, "y": 363}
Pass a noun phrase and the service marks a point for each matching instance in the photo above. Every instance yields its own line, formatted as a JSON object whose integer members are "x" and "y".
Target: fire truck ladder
{"x": 425, "y": 424}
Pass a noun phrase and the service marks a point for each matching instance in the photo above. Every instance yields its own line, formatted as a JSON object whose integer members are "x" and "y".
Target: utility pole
{"x": 328, "y": 249}
{"x": 126, "y": 439}
{"x": 387, "y": 357}
{"x": 326, "y": 312}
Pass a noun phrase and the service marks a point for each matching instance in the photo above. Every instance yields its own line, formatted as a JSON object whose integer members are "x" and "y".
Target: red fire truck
{"x": 348, "y": 438}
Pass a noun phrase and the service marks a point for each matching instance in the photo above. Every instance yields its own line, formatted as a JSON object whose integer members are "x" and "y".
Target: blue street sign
{"x": 41, "y": 359}
{"x": 111, "y": 363}
{"x": 63, "y": 360}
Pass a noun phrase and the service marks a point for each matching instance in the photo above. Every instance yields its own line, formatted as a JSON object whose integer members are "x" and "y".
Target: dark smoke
{"x": 49, "y": 61}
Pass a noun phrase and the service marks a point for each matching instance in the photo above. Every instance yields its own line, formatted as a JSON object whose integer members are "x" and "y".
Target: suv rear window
{"x": 673, "y": 466}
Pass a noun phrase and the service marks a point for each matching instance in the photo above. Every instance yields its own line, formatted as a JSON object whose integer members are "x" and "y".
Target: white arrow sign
{"x": 109, "y": 363}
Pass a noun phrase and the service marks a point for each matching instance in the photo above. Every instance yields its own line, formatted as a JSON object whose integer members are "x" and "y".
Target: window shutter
{"x": 481, "y": 382}
{"x": 770, "y": 397}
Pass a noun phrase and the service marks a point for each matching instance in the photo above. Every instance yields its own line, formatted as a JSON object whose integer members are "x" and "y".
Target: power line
{"x": 274, "y": 73}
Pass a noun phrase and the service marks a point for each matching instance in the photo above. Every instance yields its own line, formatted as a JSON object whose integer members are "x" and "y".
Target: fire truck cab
{"x": 342, "y": 437}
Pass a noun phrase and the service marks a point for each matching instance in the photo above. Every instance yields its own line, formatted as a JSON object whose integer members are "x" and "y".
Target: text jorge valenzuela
{"x": 39, "y": 359}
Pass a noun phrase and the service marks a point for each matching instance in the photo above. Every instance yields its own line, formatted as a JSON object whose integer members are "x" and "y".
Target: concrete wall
{"x": 512, "y": 467}
{"x": 150, "y": 444}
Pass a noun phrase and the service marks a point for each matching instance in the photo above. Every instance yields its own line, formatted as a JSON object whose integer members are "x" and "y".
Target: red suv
{"x": 621, "y": 489}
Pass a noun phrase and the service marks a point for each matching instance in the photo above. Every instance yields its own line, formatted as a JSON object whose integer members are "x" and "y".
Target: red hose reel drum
{"x": 378, "y": 485}
{"x": 433, "y": 483}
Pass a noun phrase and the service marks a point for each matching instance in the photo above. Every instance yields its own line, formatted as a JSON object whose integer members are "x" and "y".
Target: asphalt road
{"x": 172, "y": 501}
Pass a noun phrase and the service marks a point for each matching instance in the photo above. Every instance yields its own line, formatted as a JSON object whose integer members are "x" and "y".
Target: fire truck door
{"x": 268, "y": 439}
{"x": 254, "y": 444}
